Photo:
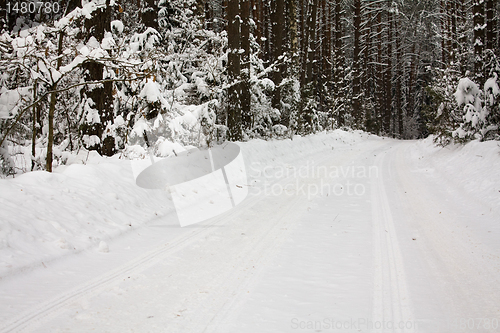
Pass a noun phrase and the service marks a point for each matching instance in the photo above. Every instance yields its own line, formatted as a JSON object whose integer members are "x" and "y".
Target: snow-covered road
{"x": 371, "y": 236}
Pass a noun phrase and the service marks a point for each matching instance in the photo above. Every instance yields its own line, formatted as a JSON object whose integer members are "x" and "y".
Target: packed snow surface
{"x": 340, "y": 231}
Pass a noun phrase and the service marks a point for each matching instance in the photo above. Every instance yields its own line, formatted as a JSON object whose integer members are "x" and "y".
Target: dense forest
{"x": 126, "y": 77}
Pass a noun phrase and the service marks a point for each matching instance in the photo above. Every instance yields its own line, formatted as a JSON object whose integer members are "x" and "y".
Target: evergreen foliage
{"x": 104, "y": 75}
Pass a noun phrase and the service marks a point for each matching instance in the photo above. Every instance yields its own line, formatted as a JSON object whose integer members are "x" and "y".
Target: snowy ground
{"x": 340, "y": 232}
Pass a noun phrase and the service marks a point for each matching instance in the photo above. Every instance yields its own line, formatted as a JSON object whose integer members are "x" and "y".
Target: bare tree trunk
{"x": 388, "y": 78}
{"x": 245, "y": 65}
{"x": 379, "y": 83}
{"x": 3, "y": 15}
{"x": 208, "y": 17}
{"x": 150, "y": 12}
{"x": 101, "y": 96}
{"x": 311, "y": 54}
{"x": 491, "y": 21}
{"x": 266, "y": 12}
{"x": 454, "y": 42}
{"x": 302, "y": 23}
{"x": 233, "y": 69}
{"x": 413, "y": 74}
{"x": 52, "y": 107}
{"x": 327, "y": 37}
{"x": 367, "y": 75}
{"x": 292, "y": 12}
{"x": 278, "y": 24}
{"x": 34, "y": 127}
{"x": 478, "y": 10}
{"x": 444, "y": 32}
{"x": 356, "y": 84}
{"x": 338, "y": 59}
{"x": 256, "y": 10}
{"x": 398, "y": 81}
{"x": 462, "y": 40}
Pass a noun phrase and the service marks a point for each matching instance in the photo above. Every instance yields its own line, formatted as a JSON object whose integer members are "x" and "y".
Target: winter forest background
{"x": 125, "y": 77}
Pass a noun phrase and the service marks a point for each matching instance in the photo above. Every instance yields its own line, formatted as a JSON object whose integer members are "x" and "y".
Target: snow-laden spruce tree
{"x": 480, "y": 108}
{"x": 44, "y": 65}
{"x": 479, "y": 117}
{"x": 468, "y": 96}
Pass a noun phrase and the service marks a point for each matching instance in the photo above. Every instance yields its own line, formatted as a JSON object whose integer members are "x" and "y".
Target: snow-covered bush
{"x": 468, "y": 95}
{"x": 481, "y": 111}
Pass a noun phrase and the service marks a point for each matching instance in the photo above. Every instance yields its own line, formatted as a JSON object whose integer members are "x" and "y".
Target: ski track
{"x": 257, "y": 252}
{"x": 391, "y": 302}
{"x": 231, "y": 258}
{"x": 35, "y": 317}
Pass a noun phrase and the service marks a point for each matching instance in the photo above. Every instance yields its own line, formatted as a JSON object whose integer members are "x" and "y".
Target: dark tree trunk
{"x": 266, "y": 13}
{"x": 327, "y": 37}
{"x": 444, "y": 32}
{"x": 454, "y": 42}
{"x": 52, "y": 107}
{"x": 278, "y": 24}
{"x": 304, "y": 38}
{"x": 302, "y": 32}
{"x": 34, "y": 129}
{"x": 462, "y": 40}
{"x": 411, "y": 89}
{"x": 379, "y": 83}
{"x": 102, "y": 95}
{"x": 478, "y": 12}
{"x": 367, "y": 74}
{"x": 150, "y": 13}
{"x": 245, "y": 65}
{"x": 292, "y": 16}
{"x": 208, "y": 17}
{"x": 3, "y": 15}
{"x": 398, "y": 80}
{"x": 356, "y": 84}
{"x": 388, "y": 78}
{"x": 491, "y": 21}
{"x": 233, "y": 70}
{"x": 256, "y": 6}
{"x": 311, "y": 54}
{"x": 324, "y": 60}
{"x": 338, "y": 62}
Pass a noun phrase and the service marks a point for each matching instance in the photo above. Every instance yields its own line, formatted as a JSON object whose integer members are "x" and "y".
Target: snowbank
{"x": 472, "y": 167}
{"x": 44, "y": 216}
{"x": 79, "y": 207}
